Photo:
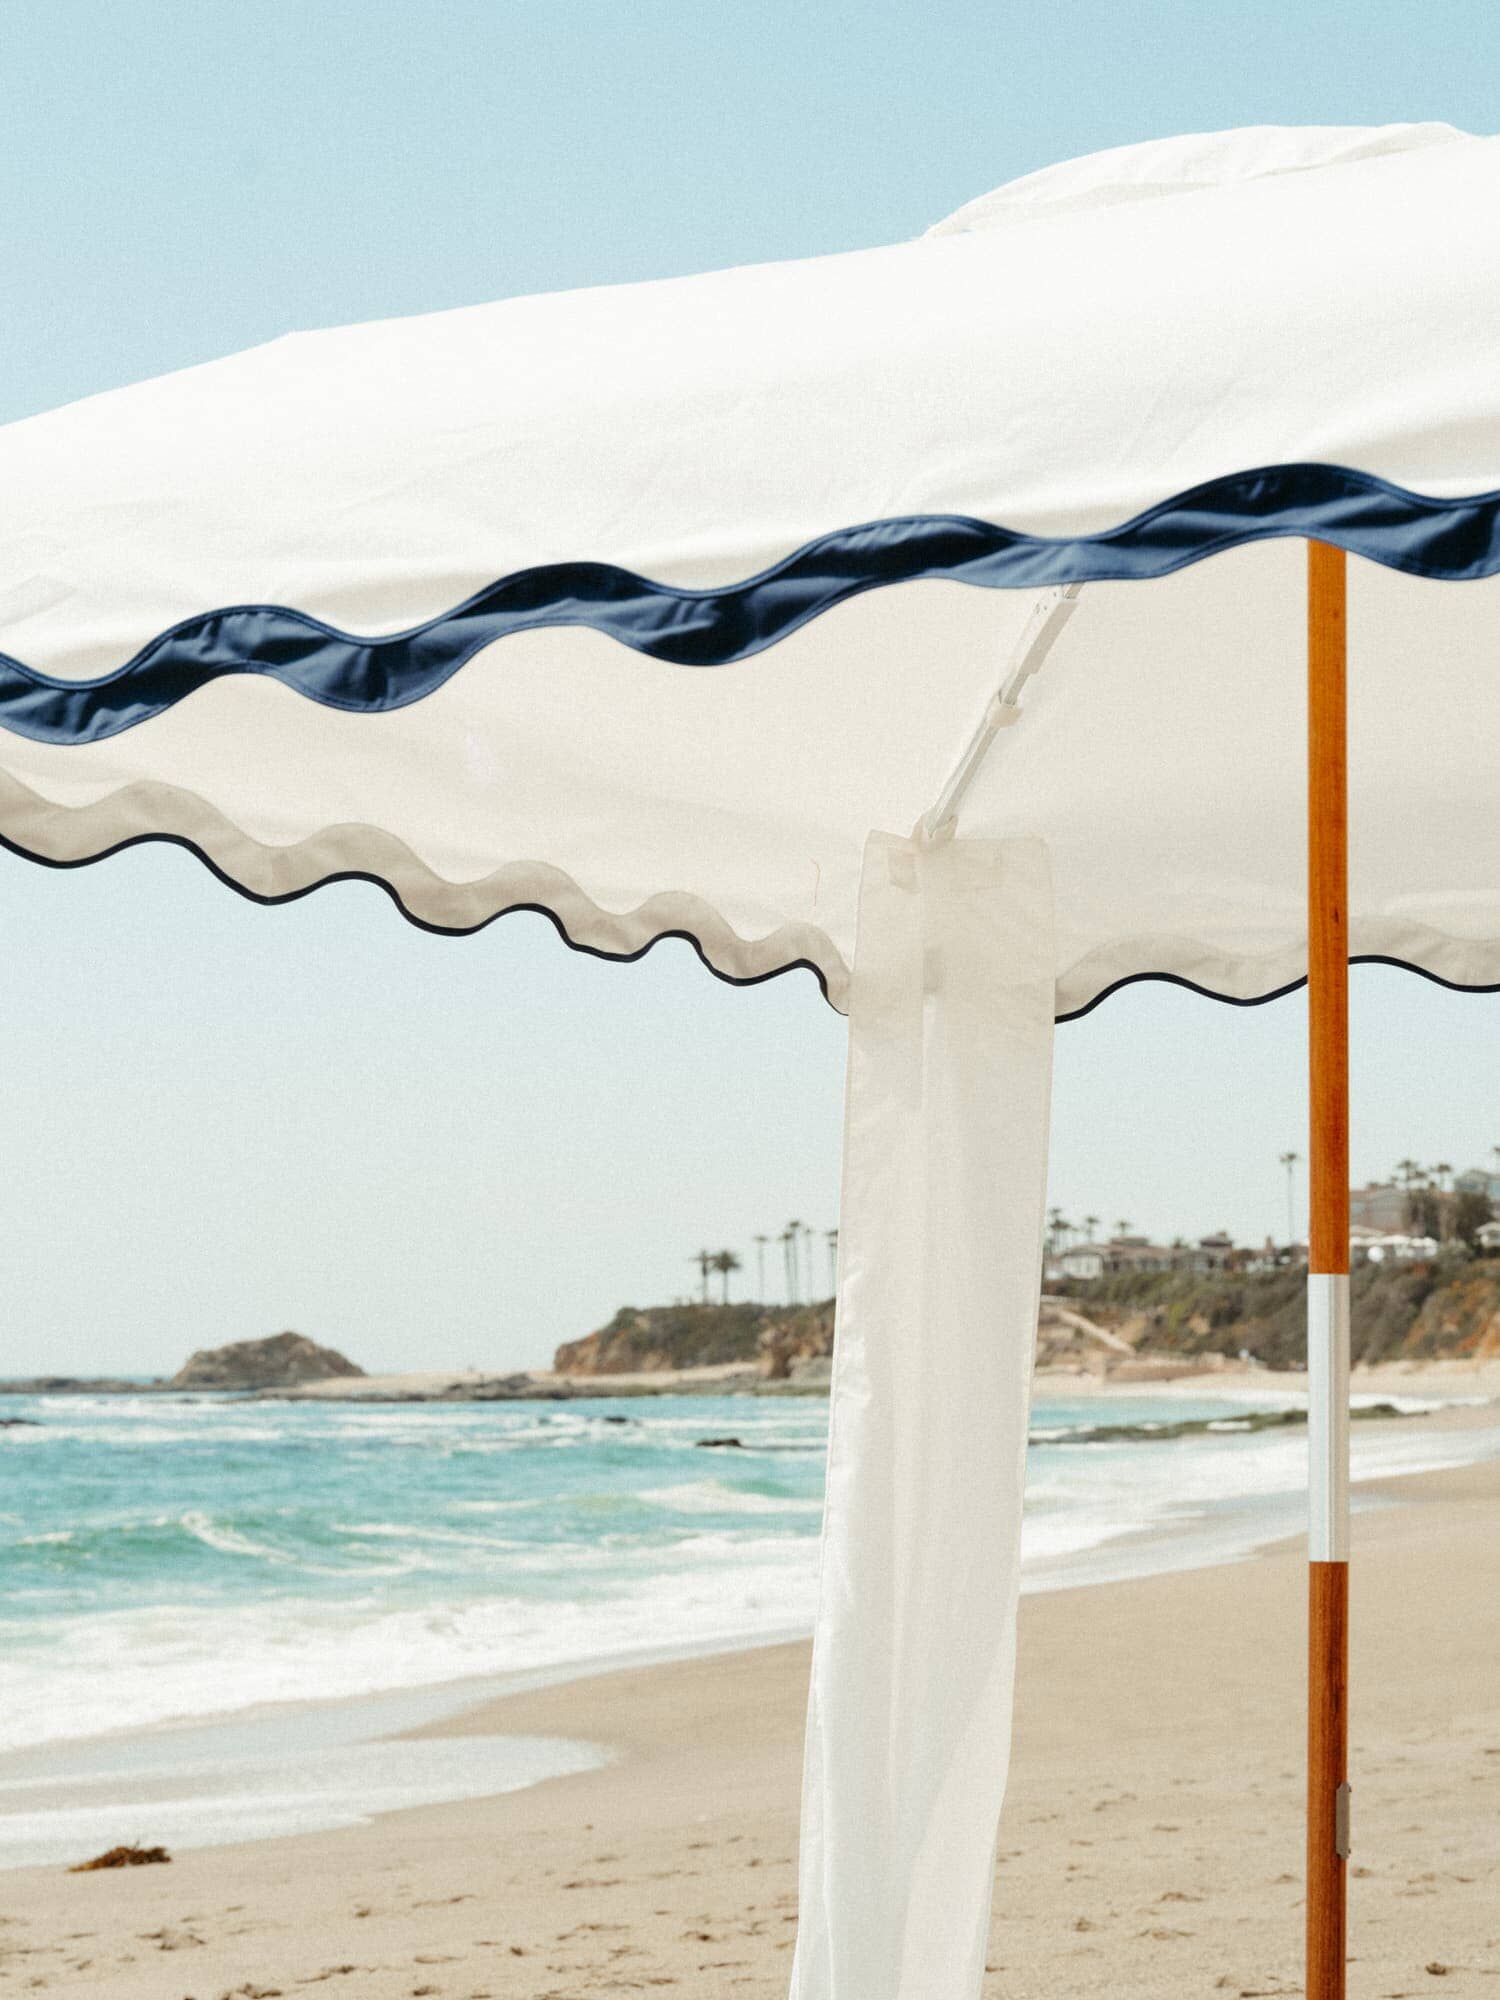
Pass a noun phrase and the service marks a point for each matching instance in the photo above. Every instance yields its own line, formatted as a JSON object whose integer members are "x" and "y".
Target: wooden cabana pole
{"x": 1328, "y": 1274}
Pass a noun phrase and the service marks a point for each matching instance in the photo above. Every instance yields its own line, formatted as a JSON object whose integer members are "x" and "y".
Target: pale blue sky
{"x": 220, "y": 1120}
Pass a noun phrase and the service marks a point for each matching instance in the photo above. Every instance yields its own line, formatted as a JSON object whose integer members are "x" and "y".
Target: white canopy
{"x": 638, "y": 604}
{"x": 645, "y": 607}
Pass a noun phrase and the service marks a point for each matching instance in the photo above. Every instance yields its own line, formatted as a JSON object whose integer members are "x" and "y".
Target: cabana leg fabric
{"x": 945, "y": 1159}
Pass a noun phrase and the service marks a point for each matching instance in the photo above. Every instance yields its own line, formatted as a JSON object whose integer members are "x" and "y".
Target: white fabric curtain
{"x": 945, "y": 1150}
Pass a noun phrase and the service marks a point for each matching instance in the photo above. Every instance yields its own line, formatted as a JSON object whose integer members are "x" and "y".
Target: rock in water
{"x": 278, "y": 1363}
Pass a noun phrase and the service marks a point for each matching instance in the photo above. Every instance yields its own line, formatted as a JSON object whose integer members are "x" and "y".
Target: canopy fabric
{"x": 641, "y": 606}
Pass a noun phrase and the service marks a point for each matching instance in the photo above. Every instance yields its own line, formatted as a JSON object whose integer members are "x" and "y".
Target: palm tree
{"x": 1442, "y": 1173}
{"x": 760, "y": 1266}
{"x": 789, "y": 1252}
{"x": 1407, "y": 1175}
{"x": 724, "y": 1263}
{"x": 831, "y": 1238}
{"x": 1122, "y": 1227}
{"x": 705, "y": 1262}
{"x": 1055, "y": 1227}
{"x": 1289, "y": 1161}
{"x": 1090, "y": 1224}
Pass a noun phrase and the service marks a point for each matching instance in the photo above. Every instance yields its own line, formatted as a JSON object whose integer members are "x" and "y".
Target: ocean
{"x": 225, "y": 1621}
{"x": 168, "y": 1560}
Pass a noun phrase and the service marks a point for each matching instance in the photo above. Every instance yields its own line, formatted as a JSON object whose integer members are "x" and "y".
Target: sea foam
{"x": 169, "y": 1559}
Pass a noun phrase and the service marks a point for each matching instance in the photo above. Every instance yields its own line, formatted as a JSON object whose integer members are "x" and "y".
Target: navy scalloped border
{"x": 1456, "y": 540}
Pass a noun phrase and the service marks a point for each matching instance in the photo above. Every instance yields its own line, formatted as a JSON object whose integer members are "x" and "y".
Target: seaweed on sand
{"x": 129, "y": 1856}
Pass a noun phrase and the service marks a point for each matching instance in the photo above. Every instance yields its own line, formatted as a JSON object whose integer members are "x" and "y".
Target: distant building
{"x": 1215, "y": 1252}
{"x": 1267, "y": 1258}
{"x": 1379, "y": 1207}
{"x": 1478, "y": 1180}
{"x": 1083, "y": 1261}
{"x": 1400, "y": 1249}
{"x": 1135, "y": 1253}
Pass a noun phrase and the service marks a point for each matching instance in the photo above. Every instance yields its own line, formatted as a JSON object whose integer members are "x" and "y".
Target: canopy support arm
{"x": 1049, "y": 614}
{"x": 1328, "y": 1274}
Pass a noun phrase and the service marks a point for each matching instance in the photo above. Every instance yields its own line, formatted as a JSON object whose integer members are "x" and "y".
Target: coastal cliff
{"x": 1134, "y": 1328}
{"x": 1126, "y": 1328}
{"x": 779, "y": 1343}
{"x": 1444, "y": 1308}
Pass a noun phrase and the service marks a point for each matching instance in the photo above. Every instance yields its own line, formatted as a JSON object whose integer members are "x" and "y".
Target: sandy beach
{"x": 1446, "y": 1377}
{"x": 1150, "y": 1841}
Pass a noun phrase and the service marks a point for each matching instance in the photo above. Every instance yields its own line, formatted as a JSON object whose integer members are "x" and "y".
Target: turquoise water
{"x": 164, "y": 1557}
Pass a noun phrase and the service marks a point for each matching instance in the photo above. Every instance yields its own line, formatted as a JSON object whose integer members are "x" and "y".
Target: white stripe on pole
{"x": 1328, "y": 1416}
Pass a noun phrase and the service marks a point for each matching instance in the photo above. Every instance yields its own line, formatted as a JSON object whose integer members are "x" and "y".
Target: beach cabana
{"x": 937, "y": 618}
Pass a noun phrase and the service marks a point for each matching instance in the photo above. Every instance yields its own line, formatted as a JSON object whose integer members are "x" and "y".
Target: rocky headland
{"x": 773, "y": 1343}
{"x": 1442, "y": 1315}
{"x": 284, "y": 1361}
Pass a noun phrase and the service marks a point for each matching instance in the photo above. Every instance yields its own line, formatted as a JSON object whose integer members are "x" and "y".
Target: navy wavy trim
{"x": 1457, "y": 540}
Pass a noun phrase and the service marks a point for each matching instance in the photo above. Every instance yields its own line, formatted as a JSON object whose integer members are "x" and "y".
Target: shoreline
{"x": 129, "y": 1771}
{"x": 1151, "y": 1839}
{"x": 1148, "y": 1370}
